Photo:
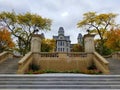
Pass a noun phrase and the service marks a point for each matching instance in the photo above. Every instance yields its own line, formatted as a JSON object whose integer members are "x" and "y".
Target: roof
{"x": 66, "y": 38}
{"x": 79, "y": 35}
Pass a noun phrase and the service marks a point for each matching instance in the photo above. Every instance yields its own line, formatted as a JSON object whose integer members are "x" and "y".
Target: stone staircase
{"x": 114, "y": 66}
{"x": 8, "y": 79}
{"x": 9, "y": 66}
{"x": 59, "y": 81}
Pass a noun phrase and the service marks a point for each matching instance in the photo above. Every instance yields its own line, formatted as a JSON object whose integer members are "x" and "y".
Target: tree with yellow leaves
{"x": 6, "y": 42}
{"x": 113, "y": 39}
{"x": 98, "y": 24}
{"x": 23, "y": 26}
{"x": 48, "y": 45}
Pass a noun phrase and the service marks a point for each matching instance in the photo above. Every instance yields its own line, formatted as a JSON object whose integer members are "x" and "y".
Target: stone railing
{"x": 77, "y": 54}
{"x": 23, "y": 64}
{"x": 101, "y": 63}
{"x": 5, "y": 55}
{"x": 116, "y": 56}
{"x": 47, "y": 54}
{"x": 58, "y": 55}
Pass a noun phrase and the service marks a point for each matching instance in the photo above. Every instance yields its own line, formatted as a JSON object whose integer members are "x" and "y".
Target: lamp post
{"x": 88, "y": 31}
{"x": 36, "y": 31}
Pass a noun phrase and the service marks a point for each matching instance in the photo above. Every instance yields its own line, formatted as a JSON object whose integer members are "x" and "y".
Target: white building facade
{"x": 62, "y": 42}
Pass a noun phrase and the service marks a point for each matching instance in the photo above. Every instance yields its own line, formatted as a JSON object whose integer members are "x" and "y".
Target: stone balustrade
{"x": 101, "y": 63}
{"x": 23, "y": 64}
{"x": 5, "y": 55}
{"x": 116, "y": 56}
{"x": 47, "y": 54}
{"x": 77, "y": 54}
{"x": 63, "y": 61}
{"x": 70, "y": 54}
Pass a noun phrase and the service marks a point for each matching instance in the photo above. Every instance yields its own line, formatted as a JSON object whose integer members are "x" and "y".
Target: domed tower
{"x": 80, "y": 39}
{"x": 61, "y": 31}
{"x": 62, "y": 41}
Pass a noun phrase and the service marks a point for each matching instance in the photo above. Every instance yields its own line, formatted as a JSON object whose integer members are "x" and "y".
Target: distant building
{"x": 62, "y": 42}
{"x": 80, "y": 39}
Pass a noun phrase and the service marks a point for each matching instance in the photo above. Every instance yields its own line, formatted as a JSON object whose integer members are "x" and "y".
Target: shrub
{"x": 92, "y": 67}
{"x": 50, "y": 71}
{"x": 34, "y": 67}
{"x": 93, "y": 70}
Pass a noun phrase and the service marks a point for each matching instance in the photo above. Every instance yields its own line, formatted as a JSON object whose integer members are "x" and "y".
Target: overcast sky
{"x": 65, "y": 13}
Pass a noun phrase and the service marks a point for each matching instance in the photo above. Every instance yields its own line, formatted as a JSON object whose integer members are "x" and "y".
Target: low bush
{"x": 49, "y": 71}
{"x": 93, "y": 70}
{"x": 34, "y": 67}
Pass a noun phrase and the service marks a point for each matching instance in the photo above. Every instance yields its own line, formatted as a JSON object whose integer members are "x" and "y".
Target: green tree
{"x": 23, "y": 26}
{"x": 77, "y": 48}
{"x": 98, "y": 24}
{"x": 48, "y": 45}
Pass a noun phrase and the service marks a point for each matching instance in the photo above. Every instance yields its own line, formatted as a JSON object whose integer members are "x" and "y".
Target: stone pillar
{"x": 89, "y": 43}
{"x": 36, "y": 43}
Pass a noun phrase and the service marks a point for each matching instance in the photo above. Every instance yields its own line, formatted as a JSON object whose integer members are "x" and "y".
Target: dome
{"x": 79, "y": 35}
{"x": 61, "y": 31}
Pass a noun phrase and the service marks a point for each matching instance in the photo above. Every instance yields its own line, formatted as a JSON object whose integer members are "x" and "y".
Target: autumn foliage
{"x": 23, "y": 26}
{"x": 98, "y": 24}
{"x": 6, "y": 42}
{"x": 113, "y": 39}
{"x": 48, "y": 45}
{"x": 77, "y": 48}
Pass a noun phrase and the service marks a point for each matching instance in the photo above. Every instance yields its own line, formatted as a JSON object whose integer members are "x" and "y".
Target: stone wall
{"x": 63, "y": 61}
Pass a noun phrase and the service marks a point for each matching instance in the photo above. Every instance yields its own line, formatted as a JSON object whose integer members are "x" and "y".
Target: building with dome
{"x": 62, "y": 42}
{"x": 80, "y": 39}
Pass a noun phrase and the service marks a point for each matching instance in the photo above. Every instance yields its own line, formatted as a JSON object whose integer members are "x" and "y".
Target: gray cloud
{"x": 64, "y": 13}
{"x": 17, "y": 6}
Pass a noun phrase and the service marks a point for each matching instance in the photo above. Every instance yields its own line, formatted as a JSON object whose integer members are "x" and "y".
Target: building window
{"x": 58, "y": 49}
{"x": 63, "y": 49}
{"x": 66, "y": 44}
{"x": 61, "y": 38}
{"x": 67, "y": 49}
{"x": 61, "y": 43}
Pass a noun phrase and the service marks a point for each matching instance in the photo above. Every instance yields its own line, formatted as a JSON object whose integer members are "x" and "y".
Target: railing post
{"x": 89, "y": 43}
{"x": 36, "y": 43}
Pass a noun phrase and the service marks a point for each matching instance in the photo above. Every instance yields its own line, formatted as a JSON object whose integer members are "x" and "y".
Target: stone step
{"x": 76, "y": 76}
{"x": 65, "y": 80}
{"x": 9, "y": 66}
{"x": 60, "y": 86}
{"x": 114, "y": 66}
{"x": 70, "y": 79}
{"x": 57, "y": 81}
